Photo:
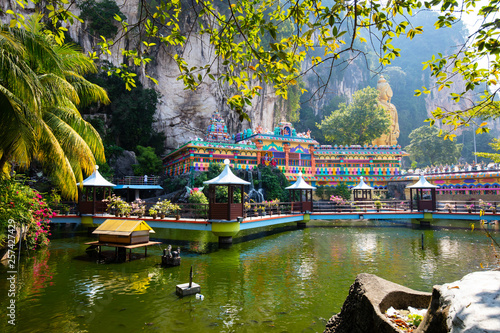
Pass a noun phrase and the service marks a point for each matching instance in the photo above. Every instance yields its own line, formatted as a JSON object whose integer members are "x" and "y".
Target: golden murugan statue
{"x": 384, "y": 100}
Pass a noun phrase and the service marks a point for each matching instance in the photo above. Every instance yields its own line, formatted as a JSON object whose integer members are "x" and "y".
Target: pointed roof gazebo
{"x": 299, "y": 186}
{"x": 225, "y": 210}
{"x": 87, "y": 202}
{"x": 362, "y": 191}
{"x": 425, "y": 195}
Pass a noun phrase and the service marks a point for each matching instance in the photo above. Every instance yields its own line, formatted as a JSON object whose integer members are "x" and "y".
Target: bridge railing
{"x": 362, "y": 206}
{"x": 262, "y": 209}
{"x": 469, "y": 206}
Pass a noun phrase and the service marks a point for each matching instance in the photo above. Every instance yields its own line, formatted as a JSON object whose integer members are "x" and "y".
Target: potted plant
{"x": 262, "y": 210}
{"x": 449, "y": 207}
{"x": 138, "y": 207}
{"x": 338, "y": 201}
{"x": 469, "y": 208}
{"x": 153, "y": 212}
{"x": 275, "y": 204}
{"x": 378, "y": 205}
{"x": 163, "y": 207}
{"x": 494, "y": 208}
{"x": 124, "y": 208}
{"x": 247, "y": 208}
{"x": 54, "y": 201}
{"x": 65, "y": 209}
{"x": 113, "y": 202}
{"x": 176, "y": 209}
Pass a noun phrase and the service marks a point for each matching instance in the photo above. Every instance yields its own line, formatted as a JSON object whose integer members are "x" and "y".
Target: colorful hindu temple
{"x": 457, "y": 183}
{"x": 291, "y": 152}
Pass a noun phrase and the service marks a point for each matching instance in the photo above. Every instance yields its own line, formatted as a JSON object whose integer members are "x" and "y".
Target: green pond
{"x": 271, "y": 280}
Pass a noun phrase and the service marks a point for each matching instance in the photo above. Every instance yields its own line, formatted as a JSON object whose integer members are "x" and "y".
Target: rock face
{"x": 469, "y": 305}
{"x": 369, "y": 297}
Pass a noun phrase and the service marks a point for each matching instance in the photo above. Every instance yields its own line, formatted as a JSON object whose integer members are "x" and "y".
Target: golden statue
{"x": 384, "y": 100}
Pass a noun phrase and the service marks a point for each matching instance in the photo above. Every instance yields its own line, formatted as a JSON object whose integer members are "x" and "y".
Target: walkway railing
{"x": 137, "y": 180}
{"x": 200, "y": 211}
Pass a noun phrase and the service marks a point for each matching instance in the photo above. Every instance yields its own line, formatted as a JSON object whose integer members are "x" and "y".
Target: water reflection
{"x": 290, "y": 281}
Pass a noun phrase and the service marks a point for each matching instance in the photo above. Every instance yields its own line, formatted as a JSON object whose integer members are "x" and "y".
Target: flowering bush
{"x": 152, "y": 211}
{"x": 163, "y": 206}
{"x": 197, "y": 197}
{"x": 138, "y": 207}
{"x": 27, "y": 208}
{"x": 124, "y": 208}
{"x": 113, "y": 202}
{"x": 484, "y": 205}
{"x": 449, "y": 206}
{"x": 338, "y": 200}
{"x": 469, "y": 207}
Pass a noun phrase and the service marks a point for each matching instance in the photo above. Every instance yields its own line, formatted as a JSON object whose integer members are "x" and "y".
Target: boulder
{"x": 369, "y": 297}
{"x": 122, "y": 164}
{"x": 470, "y": 305}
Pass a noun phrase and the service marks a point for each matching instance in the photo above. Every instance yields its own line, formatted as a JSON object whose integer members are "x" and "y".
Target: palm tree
{"x": 41, "y": 85}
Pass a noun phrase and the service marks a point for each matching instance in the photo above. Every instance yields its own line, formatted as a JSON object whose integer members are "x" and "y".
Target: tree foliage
{"x": 427, "y": 148}
{"x": 357, "y": 123}
{"x": 148, "y": 162}
{"x": 495, "y": 157}
{"x": 274, "y": 183}
{"x": 41, "y": 85}
{"x": 249, "y": 46}
{"x": 100, "y": 17}
{"x": 132, "y": 114}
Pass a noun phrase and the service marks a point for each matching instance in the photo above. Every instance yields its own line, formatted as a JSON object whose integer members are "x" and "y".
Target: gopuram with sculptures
{"x": 323, "y": 165}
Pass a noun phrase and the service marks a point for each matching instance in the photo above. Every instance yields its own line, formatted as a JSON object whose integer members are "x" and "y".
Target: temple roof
{"x": 96, "y": 180}
{"x": 422, "y": 183}
{"x": 226, "y": 177}
{"x": 300, "y": 184}
{"x": 362, "y": 186}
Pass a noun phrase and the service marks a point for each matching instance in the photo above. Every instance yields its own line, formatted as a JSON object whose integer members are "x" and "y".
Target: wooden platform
{"x": 124, "y": 247}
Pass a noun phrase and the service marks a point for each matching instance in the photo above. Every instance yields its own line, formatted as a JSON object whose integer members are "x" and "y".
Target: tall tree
{"x": 358, "y": 122}
{"x": 41, "y": 84}
{"x": 427, "y": 148}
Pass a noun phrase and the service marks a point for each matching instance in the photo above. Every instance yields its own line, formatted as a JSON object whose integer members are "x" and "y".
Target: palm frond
{"x": 89, "y": 92}
{"x": 87, "y": 132}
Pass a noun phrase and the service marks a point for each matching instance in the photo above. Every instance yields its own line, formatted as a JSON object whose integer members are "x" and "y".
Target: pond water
{"x": 279, "y": 280}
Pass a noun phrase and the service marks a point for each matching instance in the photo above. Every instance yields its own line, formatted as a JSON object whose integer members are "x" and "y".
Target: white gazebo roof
{"x": 300, "y": 184}
{"x": 96, "y": 180}
{"x": 423, "y": 184}
{"x": 362, "y": 185}
{"x": 226, "y": 177}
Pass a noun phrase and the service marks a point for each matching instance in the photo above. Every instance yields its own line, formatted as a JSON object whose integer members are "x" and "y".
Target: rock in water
{"x": 369, "y": 297}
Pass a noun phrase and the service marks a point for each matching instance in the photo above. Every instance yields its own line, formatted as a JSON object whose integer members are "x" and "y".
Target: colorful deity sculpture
{"x": 217, "y": 129}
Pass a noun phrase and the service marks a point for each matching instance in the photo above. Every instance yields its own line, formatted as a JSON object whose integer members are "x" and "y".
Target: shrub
{"x": 197, "y": 197}
{"x": 27, "y": 207}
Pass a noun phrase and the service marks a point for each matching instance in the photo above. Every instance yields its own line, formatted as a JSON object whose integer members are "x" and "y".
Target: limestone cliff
{"x": 184, "y": 114}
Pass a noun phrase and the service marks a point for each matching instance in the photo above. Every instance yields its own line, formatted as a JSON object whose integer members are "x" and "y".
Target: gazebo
{"x": 87, "y": 197}
{"x": 229, "y": 210}
{"x": 362, "y": 191}
{"x": 425, "y": 195}
{"x": 299, "y": 186}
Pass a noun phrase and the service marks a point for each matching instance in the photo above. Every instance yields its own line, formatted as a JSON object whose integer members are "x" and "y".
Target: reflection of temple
{"x": 384, "y": 100}
{"x": 291, "y": 152}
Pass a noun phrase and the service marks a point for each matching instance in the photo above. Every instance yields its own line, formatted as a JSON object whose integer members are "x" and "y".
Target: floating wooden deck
{"x": 123, "y": 246}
